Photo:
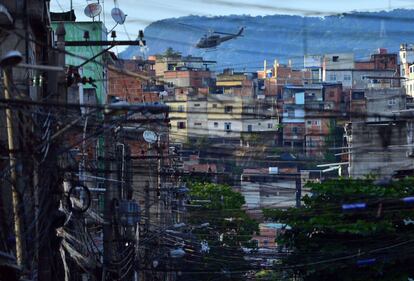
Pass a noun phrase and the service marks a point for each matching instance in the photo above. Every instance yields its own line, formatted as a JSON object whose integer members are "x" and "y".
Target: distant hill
{"x": 281, "y": 37}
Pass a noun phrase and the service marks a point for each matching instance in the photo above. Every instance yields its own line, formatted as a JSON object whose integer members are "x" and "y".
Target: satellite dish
{"x": 118, "y": 16}
{"x": 150, "y": 137}
{"x": 93, "y": 10}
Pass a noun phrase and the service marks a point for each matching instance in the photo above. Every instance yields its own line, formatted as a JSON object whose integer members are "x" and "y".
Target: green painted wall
{"x": 96, "y": 70}
{"x": 97, "y": 32}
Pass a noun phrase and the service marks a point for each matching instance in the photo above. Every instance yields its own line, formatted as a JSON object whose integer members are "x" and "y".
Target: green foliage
{"x": 322, "y": 232}
{"x": 270, "y": 275}
{"x": 221, "y": 196}
{"x": 230, "y": 228}
{"x": 170, "y": 53}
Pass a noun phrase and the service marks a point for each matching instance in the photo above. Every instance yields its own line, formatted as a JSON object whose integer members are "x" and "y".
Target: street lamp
{"x": 11, "y": 58}
{"x": 5, "y": 18}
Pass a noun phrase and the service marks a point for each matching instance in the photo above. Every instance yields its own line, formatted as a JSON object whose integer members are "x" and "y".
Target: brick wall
{"x": 334, "y": 95}
{"x": 125, "y": 87}
{"x": 293, "y": 132}
{"x": 129, "y": 88}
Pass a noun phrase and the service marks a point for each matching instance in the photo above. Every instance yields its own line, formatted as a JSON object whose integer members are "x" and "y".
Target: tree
{"x": 229, "y": 229}
{"x": 170, "y": 53}
{"x": 350, "y": 230}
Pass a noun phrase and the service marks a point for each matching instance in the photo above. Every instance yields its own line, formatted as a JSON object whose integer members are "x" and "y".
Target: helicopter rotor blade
{"x": 224, "y": 33}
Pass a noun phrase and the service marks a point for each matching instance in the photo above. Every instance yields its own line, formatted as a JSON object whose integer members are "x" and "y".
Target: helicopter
{"x": 212, "y": 41}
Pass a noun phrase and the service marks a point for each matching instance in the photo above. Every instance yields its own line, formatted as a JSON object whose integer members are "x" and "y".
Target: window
{"x": 196, "y": 104}
{"x": 332, "y": 77}
{"x": 269, "y": 125}
{"x": 347, "y": 77}
{"x": 392, "y": 101}
{"x": 215, "y": 124}
{"x": 228, "y": 109}
{"x": 214, "y": 105}
{"x": 181, "y": 125}
{"x": 249, "y": 109}
{"x": 313, "y": 122}
{"x": 181, "y": 108}
{"x": 358, "y": 95}
{"x": 335, "y": 58}
{"x": 197, "y": 124}
{"x": 295, "y": 130}
{"x": 249, "y": 128}
{"x": 227, "y": 126}
{"x": 291, "y": 112}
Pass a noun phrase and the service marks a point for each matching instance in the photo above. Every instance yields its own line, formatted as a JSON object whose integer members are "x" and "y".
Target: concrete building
{"x": 171, "y": 62}
{"x": 379, "y": 148}
{"x": 383, "y": 103}
{"x": 184, "y": 77}
{"x": 197, "y": 117}
{"x": 233, "y": 117}
{"x": 262, "y": 188}
{"x": 379, "y": 138}
{"x": 341, "y": 68}
{"x": 268, "y": 233}
{"x": 179, "y": 117}
{"x": 222, "y": 118}
{"x": 406, "y": 56}
{"x": 273, "y": 79}
{"x": 313, "y": 63}
{"x": 236, "y": 84}
{"x": 338, "y": 61}
{"x": 310, "y": 116}
{"x": 293, "y": 117}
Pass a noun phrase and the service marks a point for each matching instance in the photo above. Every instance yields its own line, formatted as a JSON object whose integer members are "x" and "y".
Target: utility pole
{"x": 16, "y": 198}
{"x": 108, "y": 199}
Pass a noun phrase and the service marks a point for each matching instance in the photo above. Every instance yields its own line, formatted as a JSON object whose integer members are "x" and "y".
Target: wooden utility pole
{"x": 16, "y": 198}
